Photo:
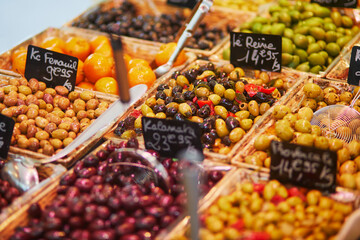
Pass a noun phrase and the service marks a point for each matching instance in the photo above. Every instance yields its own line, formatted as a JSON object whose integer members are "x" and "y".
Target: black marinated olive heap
{"x": 124, "y": 21}
{"x": 222, "y": 101}
{"x": 7, "y": 193}
{"x": 97, "y": 201}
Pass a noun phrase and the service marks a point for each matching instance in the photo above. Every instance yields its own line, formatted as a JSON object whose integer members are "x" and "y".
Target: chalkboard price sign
{"x": 53, "y": 68}
{"x": 354, "y": 69}
{"x": 337, "y": 3}
{"x": 170, "y": 137}
{"x": 258, "y": 51}
{"x": 6, "y": 131}
{"x": 183, "y": 3}
{"x": 303, "y": 166}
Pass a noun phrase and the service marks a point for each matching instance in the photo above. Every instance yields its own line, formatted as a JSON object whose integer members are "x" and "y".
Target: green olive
{"x": 283, "y": 130}
{"x": 313, "y": 196}
{"x": 185, "y": 110}
{"x": 331, "y": 98}
{"x": 236, "y": 134}
{"x": 145, "y": 109}
{"x": 348, "y": 167}
{"x": 239, "y": 87}
{"x": 228, "y": 68}
{"x": 312, "y": 90}
{"x": 291, "y": 118}
{"x": 321, "y": 142}
{"x": 221, "y": 111}
{"x": 243, "y": 114}
{"x": 246, "y": 124}
{"x": 253, "y": 107}
{"x": 263, "y": 108}
{"x": 214, "y": 98}
{"x": 280, "y": 111}
{"x": 335, "y": 144}
{"x": 182, "y": 81}
{"x": 305, "y": 139}
{"x": 229, "y": 94}
{"x": 303, "y": 126}
{"x": 202, "y": 92}
{"x": 315, "y": 130}
{"x": 346, "y": 96}
{"x": 305, "y": 113}
{"x": 262, "y": 142}
{"x": 309, "y": 102}
{"x": 219, "y": 89}
{"x": 354, "y": 148}
{"x": 220, "y": 127}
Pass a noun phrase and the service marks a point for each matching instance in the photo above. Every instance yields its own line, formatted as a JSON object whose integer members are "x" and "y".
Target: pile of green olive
{"x": 312, "y": 35}
{"x": 296, "y": 128}
{"x": 221, "y": 100}
{"x": 271, "y": 211}
{"x": 47, "y": 119}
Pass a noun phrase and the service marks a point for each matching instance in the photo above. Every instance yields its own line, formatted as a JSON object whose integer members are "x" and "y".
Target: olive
{"x": 204, "y": 111}
{"x": 189, "y": 95}
{"x": 160, "y": 94}
{"x": 235, "y": 108}
{"x": 232, "y": 123}
{"x": 169, "y": 99}
{"x": 226, "y": 103}
{"x": 159, "y": 108}
{"x": 179, "y": 97}
{"x": 208, "y": 138}
{"x": 177, "y": 89}
{"x": 174, "y": 75}
{"x": 261, "y": 97}
{"x": 179, "y": 117}
{"x": 171, "y": 111}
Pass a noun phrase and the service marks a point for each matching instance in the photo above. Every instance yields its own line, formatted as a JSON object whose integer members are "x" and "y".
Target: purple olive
{"x": 138, "y": 213}
{"x": 114, "y": 203}
{"x": 84, "y": 184}
{"x": 68, "y": 179}
{"x": 130, "y": 237}
{"x": 145, "y": 235}
{"x": 36, "y": 232}
{"x": 181, "y": 199}
{"x": 55, "y": 235}
{"x": 177, "y": 188}
{"x": 62, "y": 189}
{"x": 87, "y": 172}
{"x": 175, "y": 211}
{"x": 103, "y": 212}
{"x": 80, "y": 234}
{"x": 115, "y": 219}
{"x": 102, "y": 154}
{"x": 146, "y": 222}
{"x": 157, "y": 192}
{"x": 167, "y": 163}
{"x": 166, "y": 201}
{"x": 166, "y": 220}
{"x": 76, "y": 222}
{"x": 78, "y": 166}
{"x": 97, "y": 179}
{"x": 77, "y": 207}
{"x": 63, "y": 212}
{"x": 53, "y": 223}
{"x": 11, "y": 194}
{"x": 20, "y": 236}
{"x": 147, "y": 200}
{"x": 96, "y": 224}
{"x": 111, "y": 147}
{"x": 125, "y": 228}
{"x": 102, "y": 169}
{"x": 155, "y": 211}
{"x": 91, "y": 161}
{"x": 73, "y": 192}
{"x": 215, "y": 175}
{"x": 34, "y": 210}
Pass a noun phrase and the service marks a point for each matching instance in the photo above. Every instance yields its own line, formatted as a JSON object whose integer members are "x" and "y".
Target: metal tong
{"x": 187, "y": 31}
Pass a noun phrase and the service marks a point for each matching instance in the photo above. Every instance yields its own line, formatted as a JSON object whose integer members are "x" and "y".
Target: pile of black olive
{"x": 7, "y": 193}
{"x": 124, "y": 21}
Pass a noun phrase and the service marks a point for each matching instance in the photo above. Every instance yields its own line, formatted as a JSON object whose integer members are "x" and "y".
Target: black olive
{"x": 177, "y": 89}
{"x": 189, "y": 95}
{"x": 129, "y": 122}
{"x": 226, "y": 103}
{"x": 235, "y": 108}
{"x": 212, "y": 84}
{"x": 191, "y": 74}
{"x": 169, "y": 99}
{"x": 179, "y": 117}
{"x": 208, "y": 138}
{"x": 171, "y": 111}
{"x": 211, "y": 120}
{"x": 232, "y": 123}
{"x": 204, "y": 111}
{"x": 211, "y": 78}
{"x": 204, "y": 44}
{"x": 159, "y": 108}
{"x": 175, "y": 74}
{"x": 206, "y": 127}
{"x": 193, "y": 107}
{"x": 226, "y": 141}
{"x": 213, "y": 132}
{"x": 179, "y": 97}
{"x": 229, "y": 84}
{"x": 161, "y": 95}
{"x": 162, "y": 86}
{"x": 261, "y": 97}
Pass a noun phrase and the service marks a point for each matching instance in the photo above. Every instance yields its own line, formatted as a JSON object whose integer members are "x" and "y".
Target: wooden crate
{"x": 268, "y": 126}
{"x": 229, "y": 185}
{"x": 296, "y": 77}
{"x": 47, "y": 195}
{"x": 218, "y": 16}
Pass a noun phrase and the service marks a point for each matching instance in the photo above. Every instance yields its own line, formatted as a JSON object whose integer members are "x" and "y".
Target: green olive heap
{"x": 271, "y": 211}
{"x": 222, "y": 101}
{"x": 312, "y": 35}
{"x": 296, "y": 128}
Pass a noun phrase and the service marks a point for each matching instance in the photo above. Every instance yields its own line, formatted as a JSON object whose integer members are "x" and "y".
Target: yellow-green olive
{"x": 214, "y": 98}
{"x": 283, "y": 130}
{"x": 202, "y": 92}
{"x": 239, "y": 87}
{"x": 315, "y": 130}
{"x": 305, "y": 139}
{"x": 331, "y": 98}
{"x": 185, "y": 110}
{"x": 246, "y": 124}
{"x": 346, "y": 96}
{"x": 262, "y": 142}
{"x": 321, "y": 142}
{"x": 348, "y": 167}
{"x": 228, "y": 68}
{"x": 182, "y": 81}
{"x": 347, "y": 180}
{"x": 253, "y": 107}
{"x": 312, "y": 90}
{"x": 309, "y": 102}
{"x": 291, "y": 118}
{"x": 236, "y": 134}
{"x": 220, "y": 127}
{"x": 243, "y": 114}
{"x": 145, "y": 109}
{"x": 280, "y": 111}
{"x": 221, "y": 111}
{"x": 279, "y": 83}
{"x": 335, "y": 144}
{"x": 329, "y": 90}
{"x": 305, "y": 113}
{"x": 229, "y": 94}
{"x": 263, "y": 108}
{"x": 303, "y": 126}
{"x": 354, "y": 148}
{"x": 219, "y": 89}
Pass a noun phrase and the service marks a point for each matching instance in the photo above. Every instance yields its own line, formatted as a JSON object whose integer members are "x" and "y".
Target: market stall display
{"x": 115, "y": 188}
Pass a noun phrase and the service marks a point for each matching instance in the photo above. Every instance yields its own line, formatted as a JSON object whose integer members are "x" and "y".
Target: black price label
{"x": 52, "y": 68}
{"x": 303, "y": 166}
{"x": 354, "y": 69}
{"x": 183, "y": 3}
{"x": 258, "y": 51}
{"x": 337, "y": 3}
{"x": 170, "y": 137}
{"x": 6, "y": 131}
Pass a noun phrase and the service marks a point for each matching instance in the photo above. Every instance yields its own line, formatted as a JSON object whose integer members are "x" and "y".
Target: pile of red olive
{"x": 97, "y": 201}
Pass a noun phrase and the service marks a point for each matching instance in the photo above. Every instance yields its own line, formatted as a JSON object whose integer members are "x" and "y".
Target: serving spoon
{"x": 197, "y": 15}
